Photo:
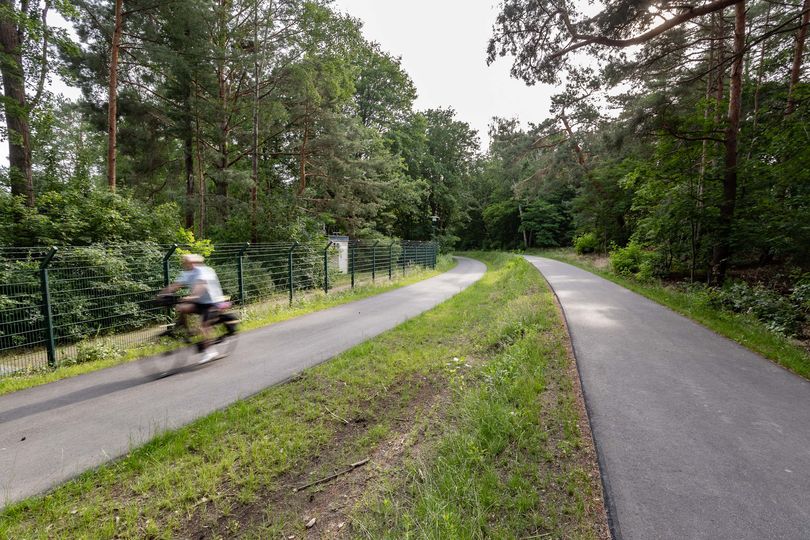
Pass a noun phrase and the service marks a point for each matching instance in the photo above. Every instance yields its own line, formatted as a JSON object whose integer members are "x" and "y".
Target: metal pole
{"x": 403, "y": 255}
{"x": 326, "y": 267}
{"x": 50, "y": 342}
{"x": 166, "y": 258}
{"x": 240, "y": 272}
{"x": 290, "y": 268}
{"x": 435, "y": 254}
{"x": 374, "y": 261}
{"x": 391, "y": 260}
{"x": 351, "y": 259}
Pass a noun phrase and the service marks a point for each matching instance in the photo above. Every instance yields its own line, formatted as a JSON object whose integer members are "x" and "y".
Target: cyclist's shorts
{"x": 206, "y": 311}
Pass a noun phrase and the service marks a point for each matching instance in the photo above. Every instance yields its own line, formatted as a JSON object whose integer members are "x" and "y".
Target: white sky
{"x": 443, "y": 48}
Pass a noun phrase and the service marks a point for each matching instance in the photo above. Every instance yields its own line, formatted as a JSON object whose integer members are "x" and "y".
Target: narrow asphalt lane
{"x": 697, "y": 436}
{"x": 51, "y": 433}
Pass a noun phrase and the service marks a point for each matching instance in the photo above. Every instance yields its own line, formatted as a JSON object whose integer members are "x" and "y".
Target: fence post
{"x": 351, "y": 259}
{"x": 240, "y": 273}
{"x": 166, "y": 258}
{"x": 403, "y": 255}
{"x": 391, "y": 260}
{"x": 50, "y": 342}
{"x": 374, "y": 261}
{"x": 435, "y": 254}
{"x": 326, "y": 267}
{"x": 290, "y": 268}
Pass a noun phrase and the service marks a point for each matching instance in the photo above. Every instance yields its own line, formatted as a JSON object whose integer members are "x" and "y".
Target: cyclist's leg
{"x": 184, "y": 309}
{"x": 208, "y": 315}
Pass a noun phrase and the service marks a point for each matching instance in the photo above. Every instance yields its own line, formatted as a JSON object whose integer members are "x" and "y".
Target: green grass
{"x": 509, "y": 428}
{"x": 256, "y": 316}
{"x": 742, "y": 328}
{"x": 508, "y": 459}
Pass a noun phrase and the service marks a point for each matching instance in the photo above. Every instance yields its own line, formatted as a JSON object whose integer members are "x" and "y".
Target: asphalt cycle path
{"x": 53, "y": 432}
{"x": 697, "y": 436}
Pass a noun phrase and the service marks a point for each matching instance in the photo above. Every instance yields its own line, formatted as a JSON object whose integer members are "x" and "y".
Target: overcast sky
{"x": 443, "y": 48}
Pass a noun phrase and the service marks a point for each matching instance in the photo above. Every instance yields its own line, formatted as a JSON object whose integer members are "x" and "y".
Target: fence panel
{"x": 100, "y": 296}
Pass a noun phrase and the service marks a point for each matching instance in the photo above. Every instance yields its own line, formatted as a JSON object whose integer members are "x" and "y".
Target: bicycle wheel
{"x": 227, "y": 344}
{"x": 170, "y": 361}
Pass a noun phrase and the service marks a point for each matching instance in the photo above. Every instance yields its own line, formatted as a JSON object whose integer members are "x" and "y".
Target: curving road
{"x": 51, "y": 433}
{"x": 697, "y": 436}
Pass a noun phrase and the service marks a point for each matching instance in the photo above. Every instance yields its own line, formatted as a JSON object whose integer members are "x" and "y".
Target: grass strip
{"x": 742, "y": 328}
{"x": 508, "y": 459}
{"x": 256, "y": 316}
{"x": 231, "y": 474}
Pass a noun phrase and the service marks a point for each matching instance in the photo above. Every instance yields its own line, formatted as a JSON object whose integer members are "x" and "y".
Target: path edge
{"x": 607, "y": 497}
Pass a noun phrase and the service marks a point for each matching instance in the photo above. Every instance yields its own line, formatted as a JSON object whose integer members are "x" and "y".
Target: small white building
{"x": 342, "y": 244}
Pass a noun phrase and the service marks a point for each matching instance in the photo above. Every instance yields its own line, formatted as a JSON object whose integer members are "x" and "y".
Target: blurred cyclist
{"x": 204, "y": 295}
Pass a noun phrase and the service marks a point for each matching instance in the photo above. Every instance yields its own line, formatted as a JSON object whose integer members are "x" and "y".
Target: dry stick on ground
{"x": 336, "y": 416}
{"x": 352, "y": 467}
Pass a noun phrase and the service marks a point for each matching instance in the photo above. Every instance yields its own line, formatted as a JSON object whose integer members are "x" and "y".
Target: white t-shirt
{"x": 212, "y": 291}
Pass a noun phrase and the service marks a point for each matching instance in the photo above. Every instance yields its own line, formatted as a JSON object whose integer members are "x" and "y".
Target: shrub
{"x": 779, "y": 313}
{"x": 91, "y": 350}
{"x": 586, "y": 243}
{"x": 634, "y": 260}
{"x": 801, "y": 294}
{"x": 627, "y": 261}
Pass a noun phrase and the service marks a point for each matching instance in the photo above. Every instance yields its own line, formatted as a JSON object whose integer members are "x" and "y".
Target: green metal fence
{"x": 59, "y": 305}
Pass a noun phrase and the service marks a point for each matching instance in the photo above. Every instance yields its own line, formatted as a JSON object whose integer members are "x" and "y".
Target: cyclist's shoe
{"x": 208, "y": 355}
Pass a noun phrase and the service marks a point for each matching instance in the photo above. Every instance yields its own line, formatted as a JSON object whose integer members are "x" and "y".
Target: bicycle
{"x": 176, "y": 356}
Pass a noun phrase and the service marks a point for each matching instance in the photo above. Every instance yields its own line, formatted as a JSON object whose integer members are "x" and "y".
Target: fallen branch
{"x": 352, "y": 467}
{"x": 336, "y": 416}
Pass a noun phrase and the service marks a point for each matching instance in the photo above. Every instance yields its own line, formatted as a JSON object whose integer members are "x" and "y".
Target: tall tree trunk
{"x": 254, "y": 189}
{"x": 721, "y": 71}
{"x": 758, "y": 84}
{"x": 220, "y": 180}
{"x": 696, "y": 220}
{"x": 525, "y": 235}
{"x": 112, "y": 108}
{"x": 722, "y": 250}
{"x": 302, "y": 173}
{"x": 200, "y": 171}
{"x": 798, "y": 51}
{"x": 16, "y": 108}
{"x": 188, "y": 157}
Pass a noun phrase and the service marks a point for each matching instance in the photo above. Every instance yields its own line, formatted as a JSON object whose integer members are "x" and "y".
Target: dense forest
{"x": 238, "y": 120}
{"x": 677, "y": 136}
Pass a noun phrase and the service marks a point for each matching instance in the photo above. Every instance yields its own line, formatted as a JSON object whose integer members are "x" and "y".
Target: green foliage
{"x": 781, "y": 314}
{"x": 93, "y": 350}
{"x": 586, "y": 243}
{"x": 634, "y": 260}
{"x": 204, "y": 246}
{"x": 544, "y": 222}
{"x": 82, "y": 215}
{"x": 502, "y": 222}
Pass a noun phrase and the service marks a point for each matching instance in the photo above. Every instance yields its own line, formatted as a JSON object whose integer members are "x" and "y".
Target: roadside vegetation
{"x": 771, "y": 324}
{"x": 469, "y": 417}
{"x": 100, "y": 353}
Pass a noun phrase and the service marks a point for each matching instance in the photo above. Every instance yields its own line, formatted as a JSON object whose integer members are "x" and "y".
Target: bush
{"x": 586, "y": 243}
{"x": 633, "y": 260}
{"x": 779, "y": 313}
{"x": 627, "y": 261}
{"x": 91, "y": 350}
{"x": 801, "y": 294}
